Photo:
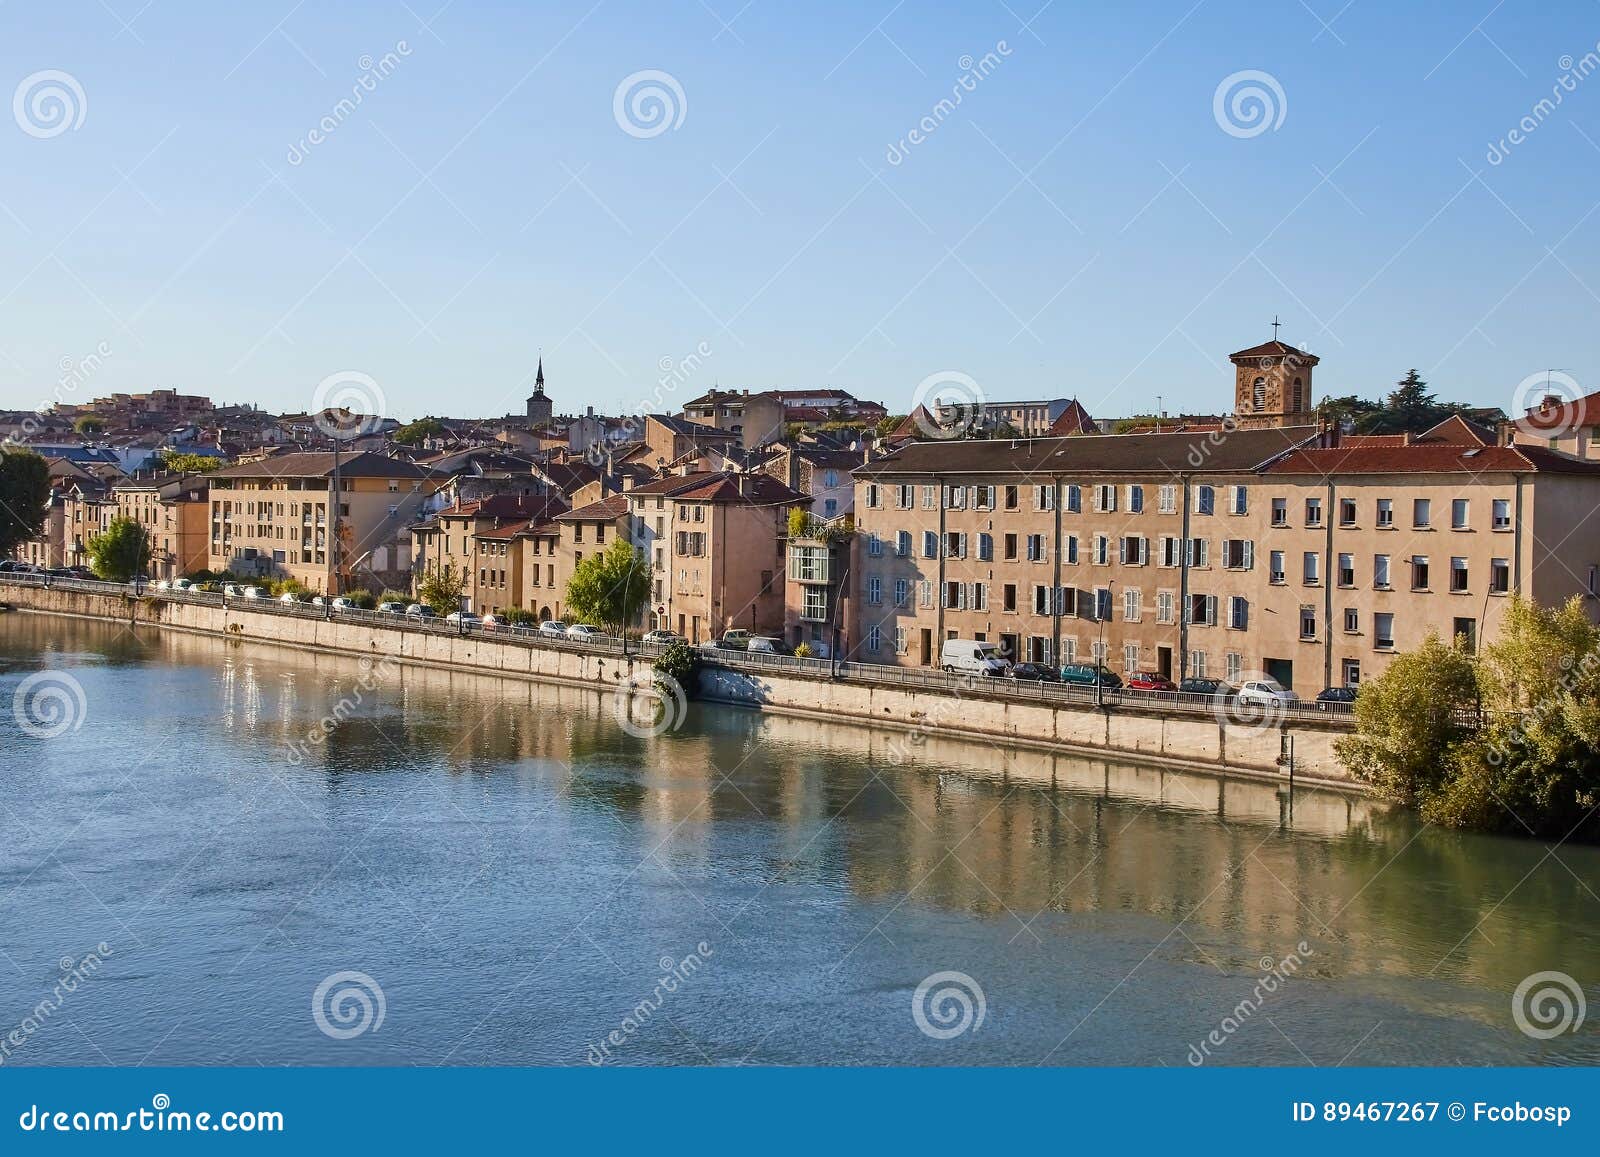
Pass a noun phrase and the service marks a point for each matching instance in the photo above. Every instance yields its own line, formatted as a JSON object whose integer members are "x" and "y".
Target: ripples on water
{"x": 513, "y": 870}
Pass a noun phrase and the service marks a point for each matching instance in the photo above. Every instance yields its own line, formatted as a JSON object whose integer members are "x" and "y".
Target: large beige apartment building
{"x": 277, "y": 518}
{"x": 1279, "y": 549}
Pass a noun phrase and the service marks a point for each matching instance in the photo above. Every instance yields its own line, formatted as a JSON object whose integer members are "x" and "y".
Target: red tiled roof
{"x": 723, "y": 486}
{"x": 1275, "y": 349}
{"x": 1554, "y": 414}
{"x": 603, "y": 511}
{"x": 1073, "y": 420}
{"x": 507, "y": 506}
{"x": 1354, "y": 440}
{"x": 1431, "y": 458}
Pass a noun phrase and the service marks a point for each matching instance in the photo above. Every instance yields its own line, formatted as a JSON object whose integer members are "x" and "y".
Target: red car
{"x": 1150, "y": 681}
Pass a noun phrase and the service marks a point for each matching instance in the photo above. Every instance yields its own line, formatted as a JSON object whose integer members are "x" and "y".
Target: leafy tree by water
{"x": 120, "y": 551}
{"x": 1410, "y": 720}
{"x": 610, "y": 589}
{"x": 1530, "y": 767}
{"x": 24, "y": 496}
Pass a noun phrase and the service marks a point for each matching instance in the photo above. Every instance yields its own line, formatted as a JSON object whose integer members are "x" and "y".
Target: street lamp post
{"x": 1100, "y": 657}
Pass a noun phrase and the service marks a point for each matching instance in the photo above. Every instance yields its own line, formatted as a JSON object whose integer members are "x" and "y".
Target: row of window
{"x": 1130, "y": 498}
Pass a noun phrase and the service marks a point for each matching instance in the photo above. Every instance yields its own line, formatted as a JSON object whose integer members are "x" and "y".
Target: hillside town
{"x": 1270, "y": 537}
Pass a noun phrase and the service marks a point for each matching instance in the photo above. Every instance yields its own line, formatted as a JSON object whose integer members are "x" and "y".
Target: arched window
{"x": 1258, "y": 395}
{"x": 1299, "y": 396}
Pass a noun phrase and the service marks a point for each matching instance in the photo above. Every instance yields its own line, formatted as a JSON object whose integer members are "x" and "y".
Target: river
{"x": 252, "y": 855}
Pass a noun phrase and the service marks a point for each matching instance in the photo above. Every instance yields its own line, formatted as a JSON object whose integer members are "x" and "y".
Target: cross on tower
{"x": 1275, "y": 324}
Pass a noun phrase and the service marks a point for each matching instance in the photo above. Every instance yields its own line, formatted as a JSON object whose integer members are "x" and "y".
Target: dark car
{"x": 1150, "y": 681}
{"x": 1338, "y": 695}
{"x": 1088, "y": 675}
{"x": 1202, "y": 686}
{"x": 1034, "y": 672}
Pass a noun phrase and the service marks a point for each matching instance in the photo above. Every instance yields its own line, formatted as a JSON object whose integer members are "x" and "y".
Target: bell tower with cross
{"x": 1272, "y": 385}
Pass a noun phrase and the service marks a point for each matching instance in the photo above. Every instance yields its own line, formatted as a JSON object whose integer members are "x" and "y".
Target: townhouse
{"x": 1229, "y": 553}
{"x": 482, "y": 540}
{"x": 715, "y": 542}
{"x": 175, "y": 513}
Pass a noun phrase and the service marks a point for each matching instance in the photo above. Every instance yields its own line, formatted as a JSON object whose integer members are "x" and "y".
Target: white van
{"x": 972, "y": 658}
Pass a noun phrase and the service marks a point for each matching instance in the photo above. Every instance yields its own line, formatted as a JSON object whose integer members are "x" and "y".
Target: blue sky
{"x": 1081, "y": 224}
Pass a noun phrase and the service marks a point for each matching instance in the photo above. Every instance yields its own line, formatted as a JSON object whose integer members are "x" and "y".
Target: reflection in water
{"x": 248, "y": 819}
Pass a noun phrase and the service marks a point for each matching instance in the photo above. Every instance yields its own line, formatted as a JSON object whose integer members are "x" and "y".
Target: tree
{"x": 191, "y": 463}
{"x": 1510, "y": 743}
{"x": 1409, "y": 408}
{"x": 121, "y": 551}
{"x": 89, "y": 424}
{"x": 1410, "y": 720}
{"x": 612, "y": 588}
{"x": 418, "y": 432}
{"x": 441, "y": 589}
{"x": 24, "y": 497}
{"x": 1348, "y": 408}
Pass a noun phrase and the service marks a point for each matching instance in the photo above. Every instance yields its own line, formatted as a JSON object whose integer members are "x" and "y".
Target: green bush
{"x": 681, "y": 663}
{"x": 517, "y": 617}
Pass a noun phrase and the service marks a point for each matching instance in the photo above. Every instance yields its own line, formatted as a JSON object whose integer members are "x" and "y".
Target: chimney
{"x": 792, "y": 473}
{"x": 869, "y": 450}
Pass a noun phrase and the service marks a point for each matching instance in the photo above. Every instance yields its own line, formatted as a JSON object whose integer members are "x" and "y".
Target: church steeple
{"x": 539, "y": 406}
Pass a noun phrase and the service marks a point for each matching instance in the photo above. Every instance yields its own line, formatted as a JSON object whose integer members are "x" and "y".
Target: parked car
{"x": 421, "y": 611}
{"x": 288, "y": 597}
{"x": 1150, "y": 681}
{"x": 340, "y": 603}
{"x": 232, "y": 591}
{"x": 1035, "y": 673}
{"x": 586, "y": 632}
{"x": 163, "y": 585}
{"x": 663, "y": 638}
{"x": 1266, "y": 691}
{"x": 178, "y": 584}
{"x": 768, "y": 645}
{"x": 1336, "y": 695}
{"x": 463, "y": 619}
{"x": 391, "y": 607}
{"x": 1196, "y": 685}
{"x": 1087, "y": 674}
{"x": 968, "y": 657}
{"x": 254, "y": 593}
{"x": 553, "y": 627}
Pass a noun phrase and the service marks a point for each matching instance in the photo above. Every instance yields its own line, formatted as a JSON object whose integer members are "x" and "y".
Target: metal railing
{"x": 747, "y": 662}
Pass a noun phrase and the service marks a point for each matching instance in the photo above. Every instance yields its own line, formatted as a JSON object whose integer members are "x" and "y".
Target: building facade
{"x": 286, "y": 516}
{"x": 1230, "y": 554}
